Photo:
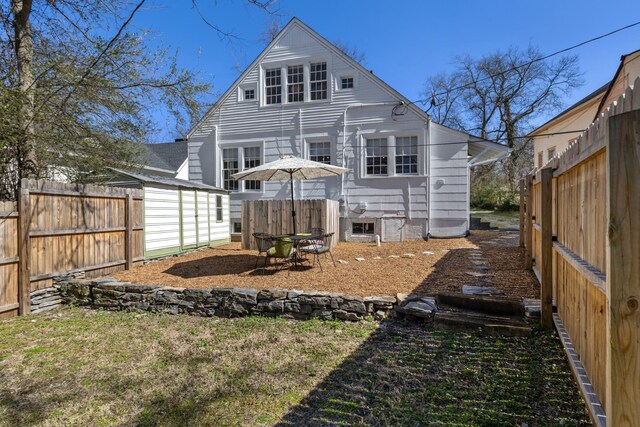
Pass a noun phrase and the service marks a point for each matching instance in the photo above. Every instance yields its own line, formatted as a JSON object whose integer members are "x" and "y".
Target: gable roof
{"x": 592, "y": 96}
{"x": 623, "y": 59}
{"x": 328, "y": 45}
{"x": 167, "y": 156}
{"x": 157, "y": 179}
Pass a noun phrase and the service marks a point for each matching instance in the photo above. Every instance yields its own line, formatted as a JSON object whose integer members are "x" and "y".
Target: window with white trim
{"x": 295, "y": 83}
{"x": 251, "y": 160}
{"x": 273, "y": 86}
{"x": 237, "y": 228}
{"x": 318, "y": 81}
{"x": 320, "y": 152}
{"x": 376, "y": 156}
{"x": 406, "y": 155}
{"x": 367, "y": 228}
{"x": 219, "y": 211}
{"x": 346, "y": 83}
{"x": 249, "y": 94}
{"x": 229, "y": 167}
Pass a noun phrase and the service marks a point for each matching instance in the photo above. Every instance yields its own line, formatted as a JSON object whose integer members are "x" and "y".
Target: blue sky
{"x": 404, "y": 41}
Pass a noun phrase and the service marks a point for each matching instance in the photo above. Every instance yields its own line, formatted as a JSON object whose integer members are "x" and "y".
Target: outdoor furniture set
{"x": 294, "y": 249}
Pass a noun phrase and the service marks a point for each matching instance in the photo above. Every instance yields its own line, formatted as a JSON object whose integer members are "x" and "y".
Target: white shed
{"x": 179, "y": 215}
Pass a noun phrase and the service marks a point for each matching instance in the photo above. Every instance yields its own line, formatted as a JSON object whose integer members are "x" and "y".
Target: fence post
{"x": 528, "y": 253}
{"x": 128, "y": 238}
{"x": 546, "y": 263}
{"x": 24, "y": 247}
{"x": 521, "y": 223}
{"x": 623, "y": 270}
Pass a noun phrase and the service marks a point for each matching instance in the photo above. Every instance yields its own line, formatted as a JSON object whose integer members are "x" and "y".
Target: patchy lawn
{"x": 443, "y": 268}
{"x": 80, "y": 367}
{"x": 499, "y": 219}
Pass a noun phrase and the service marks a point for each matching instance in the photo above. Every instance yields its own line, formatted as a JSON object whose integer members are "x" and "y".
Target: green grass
{"x": 81, "y": 367}
{"x": 508, "y": 219}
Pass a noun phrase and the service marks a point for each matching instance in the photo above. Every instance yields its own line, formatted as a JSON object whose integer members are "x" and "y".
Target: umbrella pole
{"x": 293, "y": 207}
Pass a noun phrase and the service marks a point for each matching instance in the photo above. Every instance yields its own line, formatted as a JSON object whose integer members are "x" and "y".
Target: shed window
{"x": 251, "y": 160}
{"x": 346, "y": 83}
{"x": 272, "y": 84}
{"x": 320, "y": 152}
{"x": 318, "y": 81}
{"x": 376, "y": 156}
{"x": 229, "y": 167}
{"x": 219, "y": 209}
{"x": 406, "y": 155}
{"x": 362, "y": 228}
{"x": 295, "y": 83}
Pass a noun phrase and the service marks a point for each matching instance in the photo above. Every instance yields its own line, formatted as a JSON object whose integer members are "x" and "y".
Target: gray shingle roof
{"x": 156, "y": 179}
{"x": 168, "y": 156}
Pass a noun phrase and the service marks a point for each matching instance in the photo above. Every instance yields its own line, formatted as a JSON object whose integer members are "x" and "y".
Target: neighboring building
{"x": 557, "y": 134}
{"x": 303, "y": 96}
{"x": 166, "y": 159}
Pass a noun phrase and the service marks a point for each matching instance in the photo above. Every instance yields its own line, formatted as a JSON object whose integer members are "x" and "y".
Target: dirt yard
{"x": 437, "y": 265}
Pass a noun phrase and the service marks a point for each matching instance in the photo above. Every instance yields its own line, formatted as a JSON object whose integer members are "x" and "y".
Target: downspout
{"x": 301, "y": 149}
{"x": 428, "y": 173}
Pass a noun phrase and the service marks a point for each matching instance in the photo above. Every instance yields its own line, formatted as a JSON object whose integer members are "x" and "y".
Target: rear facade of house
{"x": 302, "y": 96}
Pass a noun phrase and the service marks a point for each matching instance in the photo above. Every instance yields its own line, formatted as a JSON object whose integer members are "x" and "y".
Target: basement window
{"x": 366, "y": 228}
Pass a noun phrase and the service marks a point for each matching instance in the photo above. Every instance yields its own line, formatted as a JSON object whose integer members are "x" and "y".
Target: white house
{"x": 303, "y": 96}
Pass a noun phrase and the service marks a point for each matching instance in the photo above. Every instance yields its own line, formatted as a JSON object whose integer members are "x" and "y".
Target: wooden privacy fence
{"x": 57, "y": 228}
{"x": 274, "y": 217}
{"x": 582, "y": 238}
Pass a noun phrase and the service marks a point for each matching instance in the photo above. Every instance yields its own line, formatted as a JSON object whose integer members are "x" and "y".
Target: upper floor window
{"x": 376, "y": 156}
{"x": 273, "y": 86}
{"x": 320, "y": 152}
{"x": 346, "y": 83}
{"x": 295, "y": 83}
{"x": 540, "y": 159}
{"x": 318, "y": 81}
{"x": 406, "y": 155}
{"x": 229, "y": 167}
{"x": 551, "y": 153}
{"x": 249, "y": 94}
{"x": 251, "y": 160}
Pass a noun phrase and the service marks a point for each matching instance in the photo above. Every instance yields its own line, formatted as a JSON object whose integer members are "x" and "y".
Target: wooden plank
{"x": 521, "y": 217}
{"x": 545, "y": 263}
{"x": 623, "y": 270}
{"x": 24, "y": 245}
{"x": 128, "y": 239}
{"x": 53, "y": 274}
{"x": 9, "y": 307}
{"x": 66, "y": 232}
{"x": 590, "y": 273}
{"x": 9, "y": 260}
{"x": 528, "y": 256}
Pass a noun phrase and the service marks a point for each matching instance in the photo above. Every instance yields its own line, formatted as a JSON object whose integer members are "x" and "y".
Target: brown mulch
{"x": 445, "y": 270}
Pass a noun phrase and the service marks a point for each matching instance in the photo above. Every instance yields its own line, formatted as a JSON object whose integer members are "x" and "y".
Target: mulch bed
{"x": 444, "y": 270}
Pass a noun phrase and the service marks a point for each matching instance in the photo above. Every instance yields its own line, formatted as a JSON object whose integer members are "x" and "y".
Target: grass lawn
{"x": 82, "y": 367}
{"x": 502, "y": 220}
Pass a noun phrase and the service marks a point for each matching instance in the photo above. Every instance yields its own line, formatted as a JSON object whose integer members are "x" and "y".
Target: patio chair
{"x": 282, "y": 249}
{"x": 264, "y": 242}
{"x": 319, "y": 248}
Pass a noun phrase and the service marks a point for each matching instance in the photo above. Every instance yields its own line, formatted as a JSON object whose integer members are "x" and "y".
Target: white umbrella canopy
{"x": 290, "y": 168}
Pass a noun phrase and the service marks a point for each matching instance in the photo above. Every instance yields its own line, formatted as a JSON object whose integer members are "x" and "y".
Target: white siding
{"x": 161, "y": 218}
{"x": 189, "y": 218}
{"x": 219, "y": 230}
{"x": 203, "y": 217}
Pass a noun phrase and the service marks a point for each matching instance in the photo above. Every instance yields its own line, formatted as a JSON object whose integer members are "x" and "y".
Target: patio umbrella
{"x": 290, "y": 168}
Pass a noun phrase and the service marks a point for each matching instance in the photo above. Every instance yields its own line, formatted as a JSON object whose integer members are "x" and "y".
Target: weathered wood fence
{"x": 57, "y": 228}
{"x": 582, "y": 239}
{"x": 274, "y": 217}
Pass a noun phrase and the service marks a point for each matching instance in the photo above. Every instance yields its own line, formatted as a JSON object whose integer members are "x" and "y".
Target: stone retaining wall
{"x": 109, "y": 294}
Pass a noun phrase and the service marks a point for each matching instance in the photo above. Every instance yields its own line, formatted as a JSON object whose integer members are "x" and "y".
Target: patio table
{"x": 297, "y": 238}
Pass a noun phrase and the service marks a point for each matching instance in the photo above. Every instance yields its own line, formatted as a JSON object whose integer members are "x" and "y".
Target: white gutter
{"x": 301, "y": 147}
{"x": 428, "y": 173}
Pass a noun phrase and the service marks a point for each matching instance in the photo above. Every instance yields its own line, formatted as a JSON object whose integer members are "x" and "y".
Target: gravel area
{"x": 422, "y": 267}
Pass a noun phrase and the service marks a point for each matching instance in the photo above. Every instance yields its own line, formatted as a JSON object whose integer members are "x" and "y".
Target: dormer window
{"x": 273, "y": 86}
{"x": 318, "y": 81}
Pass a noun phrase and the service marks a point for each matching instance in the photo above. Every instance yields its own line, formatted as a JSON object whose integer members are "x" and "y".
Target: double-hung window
{"x": 318, "y": 81}
{"x": 320, "y": 152}
{"x": 251, "y": 160}
{"x": 377, "y": 156}
{"x": 406, "y": 155}
{"x": 273, "y": 86}
{"x": 295, "y": 83}
{"x": 229, "y": 167}
{"x": 219, "y": 211}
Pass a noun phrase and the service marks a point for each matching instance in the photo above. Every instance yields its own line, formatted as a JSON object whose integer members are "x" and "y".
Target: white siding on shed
{"x": 203, "y": 218}
{"x": 189, "y": 218}
{"x": 219, "y": 230}
{"x": 161, "y": 218}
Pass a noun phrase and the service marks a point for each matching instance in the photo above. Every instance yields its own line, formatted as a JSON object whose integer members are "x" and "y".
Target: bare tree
{"x": 274, "y": 26}
{"x": 351, "y": 51}
{"x": 500, "y": 97}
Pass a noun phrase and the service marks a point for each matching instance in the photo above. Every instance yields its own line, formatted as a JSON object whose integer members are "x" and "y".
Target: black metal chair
{"x": 320, "y": 247}
{"x": 264, "y": 242}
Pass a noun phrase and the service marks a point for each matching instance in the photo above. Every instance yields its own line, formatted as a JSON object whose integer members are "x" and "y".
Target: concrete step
{"x": 483, "y": 304}
{"x": 468, "y": 321}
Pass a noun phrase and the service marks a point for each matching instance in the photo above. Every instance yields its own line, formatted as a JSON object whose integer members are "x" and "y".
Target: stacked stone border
{"x": 109, "y": 294}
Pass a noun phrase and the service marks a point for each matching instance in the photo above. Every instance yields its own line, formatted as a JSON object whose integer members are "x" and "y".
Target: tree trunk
{"x": 27, "y": 162}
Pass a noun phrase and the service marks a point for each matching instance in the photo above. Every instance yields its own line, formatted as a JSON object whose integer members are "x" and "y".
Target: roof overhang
{"x": 482, "y": 152}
